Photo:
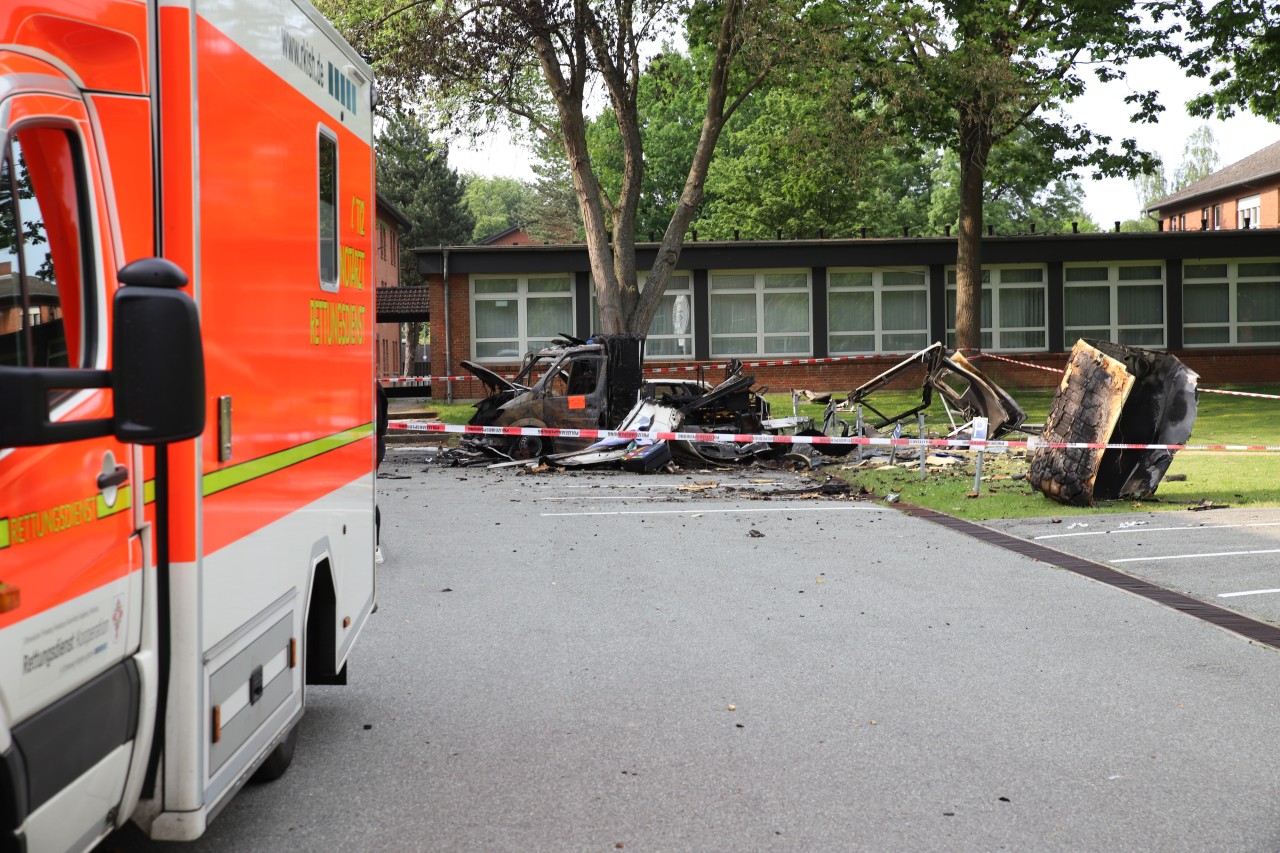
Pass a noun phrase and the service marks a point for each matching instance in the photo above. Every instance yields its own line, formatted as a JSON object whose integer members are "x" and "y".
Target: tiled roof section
{"x": 1257, "y": 166}
{"x": 388, "y": 209}
{"x": 402, "y": 304}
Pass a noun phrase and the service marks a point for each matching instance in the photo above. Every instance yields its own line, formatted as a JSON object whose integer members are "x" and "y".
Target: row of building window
{"x": 1248, "y": 216}
{"x": 769, "y": 313}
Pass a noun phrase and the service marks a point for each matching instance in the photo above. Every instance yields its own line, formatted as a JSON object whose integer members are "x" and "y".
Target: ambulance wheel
{"x": 279, "y": 759}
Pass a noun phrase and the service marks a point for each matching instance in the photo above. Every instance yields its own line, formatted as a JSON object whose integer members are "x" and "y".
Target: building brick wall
{"x": 386, "y": 273}
{"x": 1268, "y": 214}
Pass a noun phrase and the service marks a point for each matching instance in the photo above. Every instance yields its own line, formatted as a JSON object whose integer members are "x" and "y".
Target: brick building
{"x": 1212, "y": 297}
{"x": 392, "y": 301}
{"x": 1243, "y": 195}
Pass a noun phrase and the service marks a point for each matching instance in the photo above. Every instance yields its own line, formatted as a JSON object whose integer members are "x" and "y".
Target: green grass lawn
{"x": 1225, "y": 478}
{"x": 1231, "y": 478}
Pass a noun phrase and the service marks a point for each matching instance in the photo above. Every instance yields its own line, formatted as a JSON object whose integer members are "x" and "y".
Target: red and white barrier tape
{"x": 1241, "y": 394}
{"x": 1020, "y": 363}
{"x": 415, "y": 381}
{"x": 731, "y": 438}
{"x": 1202, "y": 390}
{"x": 425, "y": 381}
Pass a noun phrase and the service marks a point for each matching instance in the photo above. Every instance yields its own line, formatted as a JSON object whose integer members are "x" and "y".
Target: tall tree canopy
{"x": 414, "y": 173}
{"x": 806, "y": 155}
{"x": 1199, "y": 160}
{"x": 1023, "y": 189}
{"x": 1237, "y": 52}
{"x": 497, "y": 203}
{"x": 539, "y": 60}
{"x": 966, "y": 74}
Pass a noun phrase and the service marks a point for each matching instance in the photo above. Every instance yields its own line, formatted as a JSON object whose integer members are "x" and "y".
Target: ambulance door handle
{"x": 115, "y": 478}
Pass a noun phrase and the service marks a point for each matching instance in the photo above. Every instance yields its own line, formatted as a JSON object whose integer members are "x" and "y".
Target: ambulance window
{"x": 42, "y": 304}
{"x": 328, "y": 213}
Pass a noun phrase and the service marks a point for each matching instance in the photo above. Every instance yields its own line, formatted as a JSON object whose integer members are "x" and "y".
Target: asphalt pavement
{"x": 710, "y": 661}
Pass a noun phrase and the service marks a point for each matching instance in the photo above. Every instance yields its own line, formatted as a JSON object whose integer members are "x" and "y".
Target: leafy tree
{"x": 497, "y": 203}
{"x": 670, "y": 104}
{"x": 1199, "y": 158}
{"x": 1023, "y": 187}
{"x": 966, "y": 74}
{"x": 803, "y": 163}
{"x": 551, "y": 214}
{"x": 1237, "y": 52}
{"x": 1151, "y": 186}
{"x": 532, "y": 62}
{"x": 414, "y": 173}
{"x": 795, "y": 157}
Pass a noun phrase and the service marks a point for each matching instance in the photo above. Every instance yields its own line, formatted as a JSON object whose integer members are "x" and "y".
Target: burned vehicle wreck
{"x": 963, "y": 388}
{"x": 575, "y": 385}
{"x": 599, "y": 384}
{"x": 1114, "y": 394}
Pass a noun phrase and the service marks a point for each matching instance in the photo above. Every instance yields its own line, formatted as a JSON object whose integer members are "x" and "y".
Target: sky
{"x": 1101, "y": 108}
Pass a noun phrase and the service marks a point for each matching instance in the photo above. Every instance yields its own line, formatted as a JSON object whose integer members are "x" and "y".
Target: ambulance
{"x": 187, "y": 440}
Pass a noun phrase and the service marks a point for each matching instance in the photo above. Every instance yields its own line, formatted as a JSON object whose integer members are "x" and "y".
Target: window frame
{"x": 1114, "y": 285}
{"x": 992, "y": 282}
{"x": 91, "y": 292}
{"x": 324, "y": 134}
{"x": 521, "y": 296}
{"x": 760, "y": 290}
{"x": 1232, "y": 280}
{"x": 688, "y": 336}
{"x": 877, "y": 288}
{"x": 1252, "y": 206}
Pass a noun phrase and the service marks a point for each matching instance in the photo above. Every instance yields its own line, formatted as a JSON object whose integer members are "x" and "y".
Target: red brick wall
{"x": 386, "y": 273}
{"x": 1268, "y": 214}
{"x": 459, "y": 334}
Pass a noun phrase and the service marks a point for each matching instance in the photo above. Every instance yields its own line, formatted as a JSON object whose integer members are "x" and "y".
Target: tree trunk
{"x": 975, "y": 146}
{"x": 568, "y": 95}
{"x": 713, "y": 122}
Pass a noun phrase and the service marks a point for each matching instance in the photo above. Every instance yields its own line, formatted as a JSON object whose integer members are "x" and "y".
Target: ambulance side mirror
{"x": 157, "y": 359}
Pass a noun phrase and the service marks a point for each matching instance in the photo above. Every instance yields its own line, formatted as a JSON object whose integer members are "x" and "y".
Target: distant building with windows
{"x": 393, "y": 302}
{"x": 1243, "y": 195}
{"x": 1212, "y": 297}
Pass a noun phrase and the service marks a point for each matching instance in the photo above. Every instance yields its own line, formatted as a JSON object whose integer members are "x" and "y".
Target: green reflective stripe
{"x": 4, "y": 533}
{"x": 124, "y": 499}
{"x": 123, "y": 502}
{"x": 244, "y": 472}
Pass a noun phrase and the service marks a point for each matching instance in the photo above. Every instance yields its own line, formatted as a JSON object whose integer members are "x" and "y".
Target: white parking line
{"x": 1250, "y": 592}
{"x": 1159, "y": 529}
{"x": 697, "y": 511}
{"x": 1194, "y": 556}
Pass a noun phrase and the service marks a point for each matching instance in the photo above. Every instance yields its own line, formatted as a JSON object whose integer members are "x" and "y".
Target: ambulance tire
{"x": 279, "y": 759}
